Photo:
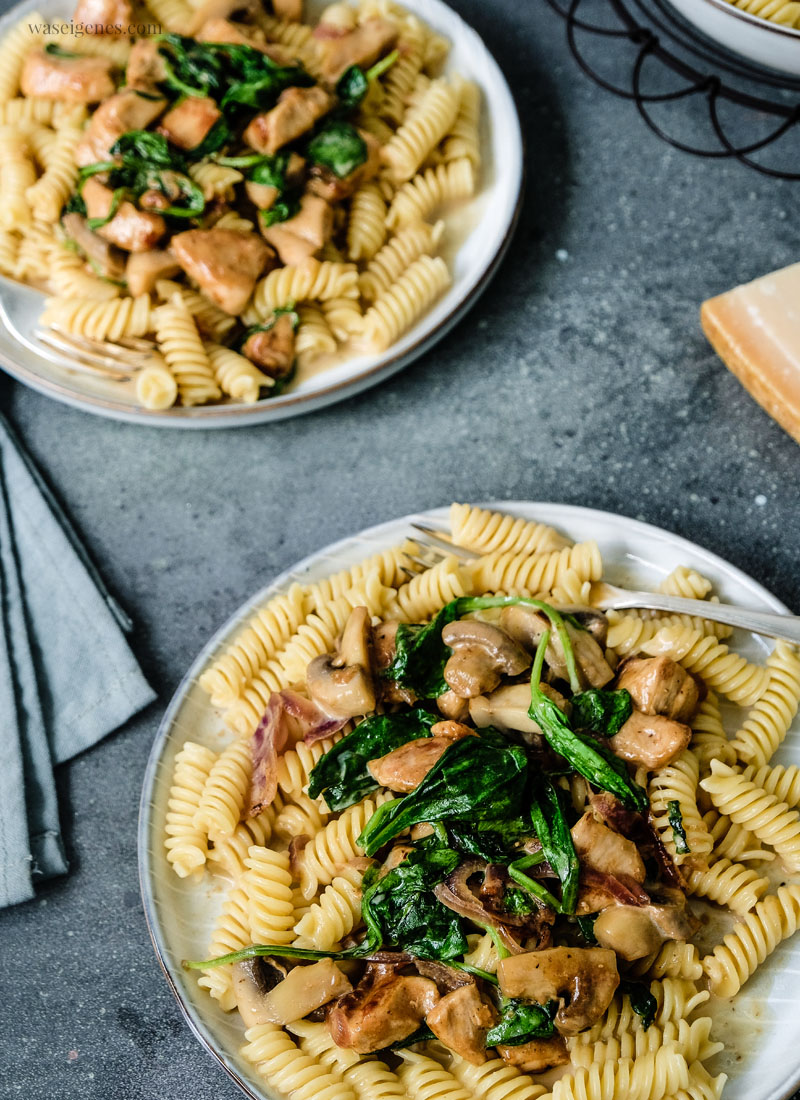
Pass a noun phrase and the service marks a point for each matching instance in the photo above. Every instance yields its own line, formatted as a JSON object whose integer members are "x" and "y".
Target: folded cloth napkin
{"x": 67, "y": 674}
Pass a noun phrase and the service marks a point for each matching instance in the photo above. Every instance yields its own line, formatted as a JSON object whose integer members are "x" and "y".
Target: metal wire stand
{"x": 743, "y": 91}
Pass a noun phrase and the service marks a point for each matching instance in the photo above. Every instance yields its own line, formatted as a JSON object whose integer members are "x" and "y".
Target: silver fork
{"x": 20, "y": 309}
{"x": 607, "y": 597}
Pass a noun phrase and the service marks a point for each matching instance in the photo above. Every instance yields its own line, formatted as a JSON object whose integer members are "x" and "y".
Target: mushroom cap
{"x": 482, "y": 653}
{"x": 582, "y": 979}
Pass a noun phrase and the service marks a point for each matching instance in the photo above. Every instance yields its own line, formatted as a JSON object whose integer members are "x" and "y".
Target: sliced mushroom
{"x": 253, "y": 980}
{"x": 453, "y": 706}
{"x": 507, "y": 708}
{"x": 659, "y": 685}
{"x": 537, "y": 1055}
{"x": 592, "y": 620}
{"x": 482, "y": 654}
{"x": 109, "y": 260}
{"x": 303, "y": 990}
{"x": 602, "y": 849}
{"x": 527, "y": 625}
{"x": 382, "y": 1009}
{"x": 342, "y": 684}
{"x": 582, "y": 979}
{"x": 650, "y": 739}
{"x": 636, "y": 933}
{"x": 461, "y": 1020}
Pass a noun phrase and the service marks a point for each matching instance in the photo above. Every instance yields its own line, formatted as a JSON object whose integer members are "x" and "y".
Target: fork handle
{"x": 785, "y": 627}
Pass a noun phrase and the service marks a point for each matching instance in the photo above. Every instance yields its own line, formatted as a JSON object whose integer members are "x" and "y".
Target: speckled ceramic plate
{"x": 476, "y": 237}
{"x": 761, "y": 1029}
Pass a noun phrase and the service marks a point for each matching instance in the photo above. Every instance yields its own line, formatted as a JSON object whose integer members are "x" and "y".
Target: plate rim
{"x": 754, "y": 20}
{"x": 297, "y": 404}
{"x": 544, "y": 511}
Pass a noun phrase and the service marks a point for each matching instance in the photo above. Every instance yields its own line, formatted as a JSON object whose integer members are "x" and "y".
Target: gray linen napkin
{"x": 67, "y": 674}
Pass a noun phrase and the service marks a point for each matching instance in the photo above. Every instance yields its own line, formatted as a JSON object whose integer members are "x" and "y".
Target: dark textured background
{"x": 581, "y": 376}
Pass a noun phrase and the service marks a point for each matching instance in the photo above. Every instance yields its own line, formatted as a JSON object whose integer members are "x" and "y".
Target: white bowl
{"x": 768, "y": 44}
{"x": 476, "y": 237}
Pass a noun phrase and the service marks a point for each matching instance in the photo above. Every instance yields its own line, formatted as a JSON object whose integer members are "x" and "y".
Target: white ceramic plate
{"x": 769, "y": 44}
{"x": 477, "y": 235}
{"x": 763, "y": 1030}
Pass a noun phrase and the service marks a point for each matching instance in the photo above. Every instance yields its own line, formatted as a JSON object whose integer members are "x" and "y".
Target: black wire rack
{"x": 744, "y": 111}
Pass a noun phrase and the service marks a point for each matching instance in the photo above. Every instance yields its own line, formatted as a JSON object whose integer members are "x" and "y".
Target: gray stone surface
{"x": 581, "y": 376}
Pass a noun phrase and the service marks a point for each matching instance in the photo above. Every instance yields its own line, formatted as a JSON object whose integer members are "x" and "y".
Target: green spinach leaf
{"x": 642, "y": 1001}
{"x": 603, "y": 712}
{"x": 520, "y": 1022}
{"x": 342, "y": 777}
{"x": 552, "y": 829}
{"x": 339, "y": 147}
{"x": 678, "y": 831}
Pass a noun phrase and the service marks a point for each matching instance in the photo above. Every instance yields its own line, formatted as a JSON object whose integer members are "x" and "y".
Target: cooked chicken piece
{"x": 126, "y": 110}
{"x": 404, "y": 768}
{"x": 659, "y": 685}
{"x": 146, "y": 66}
{"x": 461, "y": 1020}
{"x": 582, "y": 979}
{"x": 132, "y": 229}
{"x": 262, "y": 195}
{"x": 272, "y": 351}
{"x": 527, "y": 625}
{"x": 453, "y": 706}
{"x": 189, "y": 123}
{"x": 332, "y": 188}
{"x": 382, "y": 1009}
{"x": 224, "y": 263}
{"x": 70, "y": 79}
{"x": 536, "y": 1055}
{"x": 453, "y": 731}
{"x": 104, "y": 13}
{"x": 109, "y": 260}
{"x": 601, "y": 848}
{"x": 313, "y": 221}
{"x": 361, "y": 46}
{"x": 296, "y": 112}
{"x": 507, "y": 708}
{"x": 222, "y": 30}
{"x": 291, "y": 249}
{"x": 143, "y": 269}
{"x": 650, "y": 739}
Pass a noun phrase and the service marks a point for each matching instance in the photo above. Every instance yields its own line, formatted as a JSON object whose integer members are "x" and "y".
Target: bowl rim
{"x": 752, "y": 20}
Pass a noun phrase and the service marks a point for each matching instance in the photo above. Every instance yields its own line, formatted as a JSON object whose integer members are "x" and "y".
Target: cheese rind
{"x": 755, "y": 329}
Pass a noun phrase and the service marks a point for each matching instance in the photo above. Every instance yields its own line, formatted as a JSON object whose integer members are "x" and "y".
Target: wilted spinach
{"x": 552, "y": 829}
{"x": 339, "y": 147}
{"x": 520, "y": 1022}
{"x": 342, "y": 777}
{"x": 642, "y": 1001}
{"x": 603, "y": 712}
{"x": 678, "y": 830}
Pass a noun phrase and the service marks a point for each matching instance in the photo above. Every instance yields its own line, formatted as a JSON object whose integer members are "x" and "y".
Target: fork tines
{"x": 120, "y": 361}
{"x": 438, "y": 542}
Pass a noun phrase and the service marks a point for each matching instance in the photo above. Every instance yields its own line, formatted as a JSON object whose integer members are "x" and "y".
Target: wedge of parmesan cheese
{"x": 755, "y": 329}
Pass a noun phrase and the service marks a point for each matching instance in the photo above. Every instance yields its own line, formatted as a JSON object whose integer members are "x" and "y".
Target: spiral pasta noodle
{"x": 391, "y": 567}
{"x": 763, "y": 814}
{"x": 343, "y": 316}
{"x": 156, "y": 387}
{"x": 186, "y": 845}
{"x": 215, "y": 180}
{"x": 650, "y": 1077}
{"x": 334, "y": 847}
{"x": 728, "y": 884}
{"x": 366, "y": 226}
{"x": 676, "y": 999}
{"x": 175, "y": 15}
{"x": 301, "y": 816}
{"x": 314, "y": 336}
{"x": 426, "y": 192}
{"x": 482, "y": 953}
{"x": 692, "y": 1039}
{"x": 14, "y": 47}
{"x": 784, "y": 12}
{"x": 370, "y": 1079}
{"x": 9, "y": 247}
{"x": 395, "y": 310}
{"x": 732, "y": 841}
{"x": 114, "y": 320}
{"x": 744, "y": 949}
{"x": 209, "y": 318}
{"x": 725, "y": 672}
{"x": 495, "y": 1080}
{"x": 400, "y": 78}
{"x": 419, "y": 598}
{"x": 526, "y": 575}
{"x": 396, "y": 256}
{"x": 231, "y": 851}
{"x": 246, "y": 712}
{"x": 236, "y": 375}
{"x": 319, "y": 632}
{"x": 267, "y": 882}
{"x": 295, "y": 765}
{"x": 464, "y": 137}
{"x": 424, "y": 1079}
{"x": 267, "y": 631}
{"x": 225, "y": 791}
{"x": 781, "y": 781}
{"x": 35, "y": 250}
{"x": 488, "y": 532}
{"x": 317, "y": 279}
{"x": 767, "y": 723}
{"x": 334, "y": 915}
{"x": 709, "y": 739}
{"x": 47, "y": 196}
{"x": 17, "y": 176}
{"x": 280, "y": 1061}
{"x": 677, "y": 782}
{"x": 231, "y": 933}
{"x": 183, "y": 349}
{"x": 422, "y": 131}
